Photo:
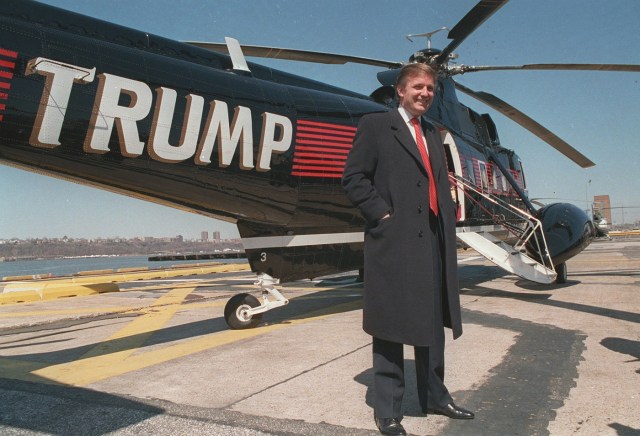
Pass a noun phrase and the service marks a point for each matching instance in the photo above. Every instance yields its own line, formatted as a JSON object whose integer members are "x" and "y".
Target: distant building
{"x": 204, "y": 236}
{"x": 215, "y": 235}
{"x": 602, "y": 205}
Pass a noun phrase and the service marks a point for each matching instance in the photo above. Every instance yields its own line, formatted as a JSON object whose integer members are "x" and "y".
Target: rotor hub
{"x": 425, "y": 56}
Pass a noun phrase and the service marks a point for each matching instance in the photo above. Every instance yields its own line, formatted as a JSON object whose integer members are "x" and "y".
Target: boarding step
{"x": 507, "y": 257}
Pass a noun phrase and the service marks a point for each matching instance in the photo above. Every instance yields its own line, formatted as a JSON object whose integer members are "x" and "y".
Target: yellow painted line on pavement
{"x": 97, "y": 365}
{"x": 93, "y": 310}
{"x": 47, "y": 289}
{"x": 186, "y": 284}
{"x": 27, "y": 370}
{"x": 126, "y": 275}
{"x": 119, "y": 346}
{"x": 98, "y": 310}
{"x": 19, "y": 369}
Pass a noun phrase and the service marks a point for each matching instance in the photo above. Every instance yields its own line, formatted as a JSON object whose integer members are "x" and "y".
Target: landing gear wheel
{"x": 235, "y": 312}
{"x": 561, "y": 271}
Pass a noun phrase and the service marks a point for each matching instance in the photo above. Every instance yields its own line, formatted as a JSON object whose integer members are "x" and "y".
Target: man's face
{"x": 416, "y": 95}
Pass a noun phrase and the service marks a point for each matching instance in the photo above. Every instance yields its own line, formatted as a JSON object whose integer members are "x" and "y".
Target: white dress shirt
{"x": 406, "y": 116}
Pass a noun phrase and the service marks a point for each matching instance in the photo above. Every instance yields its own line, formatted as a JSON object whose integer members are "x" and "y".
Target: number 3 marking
{"x": 263, "y": 257}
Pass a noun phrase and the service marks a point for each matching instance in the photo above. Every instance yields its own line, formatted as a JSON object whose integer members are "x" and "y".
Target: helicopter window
{"x": 524, "y": 179}
{"x": 516, "y": 177}
{"x": 470, "y": 171}
{"x": 484, "y": 179}
{"x": 501, "y": 181}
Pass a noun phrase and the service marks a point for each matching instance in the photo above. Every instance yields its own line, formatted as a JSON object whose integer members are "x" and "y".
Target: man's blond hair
{"x": 415, "y": 69}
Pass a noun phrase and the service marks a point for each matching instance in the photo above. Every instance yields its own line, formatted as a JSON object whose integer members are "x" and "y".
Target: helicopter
{"x": 202, "y": 129}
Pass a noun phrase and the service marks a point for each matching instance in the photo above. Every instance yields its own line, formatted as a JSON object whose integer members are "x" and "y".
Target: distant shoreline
{"x": 231, "y": 254}
{"x": 60, "y": 267}
{"x": 21, "y": 259}
{"x": 59, "y": 250}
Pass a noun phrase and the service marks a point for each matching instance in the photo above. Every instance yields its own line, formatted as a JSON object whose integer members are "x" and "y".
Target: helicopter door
{"x": 454, "y": 166}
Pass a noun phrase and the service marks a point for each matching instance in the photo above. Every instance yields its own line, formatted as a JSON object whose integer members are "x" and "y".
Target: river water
{"x": 67, "y": 266}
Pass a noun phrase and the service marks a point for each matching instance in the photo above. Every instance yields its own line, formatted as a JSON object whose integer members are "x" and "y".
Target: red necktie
{"x": 433, "y": 195}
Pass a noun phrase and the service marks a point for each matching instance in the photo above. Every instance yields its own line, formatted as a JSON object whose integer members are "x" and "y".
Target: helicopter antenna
{"x": 428, "y": 35}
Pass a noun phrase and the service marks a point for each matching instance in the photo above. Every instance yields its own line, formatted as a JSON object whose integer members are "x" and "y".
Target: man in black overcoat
{"x": 397, "y": 176}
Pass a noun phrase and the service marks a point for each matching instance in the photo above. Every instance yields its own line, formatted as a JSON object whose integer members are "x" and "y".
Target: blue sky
{"x": 598, "y": 113}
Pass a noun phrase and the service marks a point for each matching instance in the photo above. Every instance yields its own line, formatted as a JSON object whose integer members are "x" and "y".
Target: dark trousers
{"x": 388, "y": 358}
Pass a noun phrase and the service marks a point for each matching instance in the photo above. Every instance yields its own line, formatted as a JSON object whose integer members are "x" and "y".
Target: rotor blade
{"x": 634, "y": 68}
{"x": 296, "y": 55}
{"x": 470, "y": 22}
{"x": 529, "y": 124}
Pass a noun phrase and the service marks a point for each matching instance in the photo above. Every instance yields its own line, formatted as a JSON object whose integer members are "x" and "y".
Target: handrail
{"x": 533, "y": 225}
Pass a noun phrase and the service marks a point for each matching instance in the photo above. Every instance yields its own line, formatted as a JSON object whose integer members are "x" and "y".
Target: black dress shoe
{"x": 452, "y": 411}
{"x": 390, "y": 426}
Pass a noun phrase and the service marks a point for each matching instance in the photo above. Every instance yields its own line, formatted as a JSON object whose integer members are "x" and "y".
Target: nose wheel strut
{"x": 244, "y": 311}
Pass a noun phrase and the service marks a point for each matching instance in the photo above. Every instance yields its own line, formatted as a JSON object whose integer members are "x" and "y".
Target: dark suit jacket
{"x": 384, "y": 173}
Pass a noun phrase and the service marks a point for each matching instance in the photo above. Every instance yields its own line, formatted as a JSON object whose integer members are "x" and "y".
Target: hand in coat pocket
{"x": 383, "y": 223}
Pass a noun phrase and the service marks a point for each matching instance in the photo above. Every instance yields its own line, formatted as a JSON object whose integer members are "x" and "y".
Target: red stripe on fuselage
{"x": 326, "y": 125}
{"x": 7, "y": 64}
{"x": 321, "y": 149}
{"x": 304, "y": 154}
{"x": 6, "y": 74}
{"x": 8, "y": 53}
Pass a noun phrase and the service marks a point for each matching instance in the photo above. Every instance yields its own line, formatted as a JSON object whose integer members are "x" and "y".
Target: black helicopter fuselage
{"x": 119, "y": 109}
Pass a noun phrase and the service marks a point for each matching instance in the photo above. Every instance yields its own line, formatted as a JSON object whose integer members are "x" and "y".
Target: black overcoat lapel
{"x": 404, "y": 137}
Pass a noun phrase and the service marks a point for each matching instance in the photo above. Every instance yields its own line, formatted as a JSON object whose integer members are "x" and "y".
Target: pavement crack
{"x": 306, "y": 371}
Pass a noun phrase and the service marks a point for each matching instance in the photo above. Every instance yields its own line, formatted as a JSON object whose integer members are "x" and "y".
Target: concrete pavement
{"x": 158, "y": 358}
